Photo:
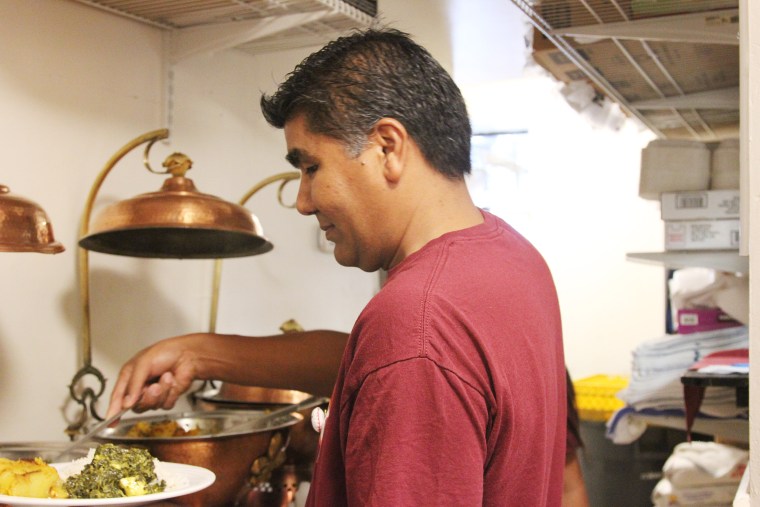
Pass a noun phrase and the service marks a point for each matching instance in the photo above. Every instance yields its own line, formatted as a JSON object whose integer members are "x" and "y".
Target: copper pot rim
{"x": 239, "y": 394}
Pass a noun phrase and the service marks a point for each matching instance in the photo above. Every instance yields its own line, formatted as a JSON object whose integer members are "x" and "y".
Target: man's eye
{"x": 311, "y": 169}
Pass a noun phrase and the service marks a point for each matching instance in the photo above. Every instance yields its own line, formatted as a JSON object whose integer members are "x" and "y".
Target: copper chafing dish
{"x": 221, "y": 446}
{"x": 301, "y": 452}
{"x": 302, "y": 449}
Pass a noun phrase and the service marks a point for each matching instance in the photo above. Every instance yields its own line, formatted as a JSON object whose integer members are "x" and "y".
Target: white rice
{"x": 174, "y": 481}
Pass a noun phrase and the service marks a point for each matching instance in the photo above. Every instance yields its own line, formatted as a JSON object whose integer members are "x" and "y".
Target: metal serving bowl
{"x": 301, "y": 453}
{"x": 304, "y": 441}
{"x": 222, "y": 447}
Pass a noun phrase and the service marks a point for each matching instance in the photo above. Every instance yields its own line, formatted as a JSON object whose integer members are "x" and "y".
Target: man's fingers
{"x": 172, "y": 390}
{"x": 118, "y": 398}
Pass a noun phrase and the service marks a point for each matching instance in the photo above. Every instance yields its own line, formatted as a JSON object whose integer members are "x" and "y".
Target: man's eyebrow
{"x": 294, "y": 156}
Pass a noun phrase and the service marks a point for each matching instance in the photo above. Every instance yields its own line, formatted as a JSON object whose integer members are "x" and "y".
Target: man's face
{"x": 343, "y": 192}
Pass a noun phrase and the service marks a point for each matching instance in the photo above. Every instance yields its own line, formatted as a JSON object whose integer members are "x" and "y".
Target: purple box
{"x": 694, "y": 320}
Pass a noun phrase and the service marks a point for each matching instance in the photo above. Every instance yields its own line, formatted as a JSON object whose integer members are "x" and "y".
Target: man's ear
{"x": 391, "y": 136}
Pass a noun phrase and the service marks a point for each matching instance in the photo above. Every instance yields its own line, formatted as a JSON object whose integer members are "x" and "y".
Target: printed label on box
{"x": 702, "y": 235}
{"x": 701, "y": 205}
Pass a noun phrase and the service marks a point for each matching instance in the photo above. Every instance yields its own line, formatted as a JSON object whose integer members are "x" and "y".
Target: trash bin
{"x": 624, "y": 475}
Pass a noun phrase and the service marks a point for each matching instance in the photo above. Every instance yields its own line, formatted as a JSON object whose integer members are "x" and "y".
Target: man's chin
{"x": 343, "y": 259}
{"x": 351, "y": 261}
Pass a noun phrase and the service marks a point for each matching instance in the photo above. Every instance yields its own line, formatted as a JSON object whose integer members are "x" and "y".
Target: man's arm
{"x": 306, "y": 361}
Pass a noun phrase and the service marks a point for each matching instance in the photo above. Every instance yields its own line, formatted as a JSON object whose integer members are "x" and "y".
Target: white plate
{"x": 181, "y": 480}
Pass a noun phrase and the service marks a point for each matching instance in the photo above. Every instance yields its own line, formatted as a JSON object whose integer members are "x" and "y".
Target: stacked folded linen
{"x": 658, "y": 365}
{"x": 655, "y": 380}
{"x": 700, "y": 473}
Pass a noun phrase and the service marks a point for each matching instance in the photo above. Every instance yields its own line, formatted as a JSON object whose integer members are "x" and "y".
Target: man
{"x": 574, "y": 493}
{"x": 451, "y": 387}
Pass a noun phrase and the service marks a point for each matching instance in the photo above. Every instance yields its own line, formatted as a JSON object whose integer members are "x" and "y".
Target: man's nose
{"x": 303, "y": 199}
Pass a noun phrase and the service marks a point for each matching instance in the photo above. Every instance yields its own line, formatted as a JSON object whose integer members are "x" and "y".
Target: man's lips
{"x": 327, "y": 229}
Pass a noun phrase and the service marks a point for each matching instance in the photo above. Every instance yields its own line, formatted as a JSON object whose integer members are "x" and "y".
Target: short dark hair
{"x": 347, "y": 86}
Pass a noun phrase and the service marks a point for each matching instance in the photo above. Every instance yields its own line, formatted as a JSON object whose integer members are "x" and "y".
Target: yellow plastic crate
{"x": 596, "y": 397}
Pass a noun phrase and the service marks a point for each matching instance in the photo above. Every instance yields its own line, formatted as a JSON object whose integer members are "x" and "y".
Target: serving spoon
{"x": 259, "y": 422}
{"x": 90, "y": 434}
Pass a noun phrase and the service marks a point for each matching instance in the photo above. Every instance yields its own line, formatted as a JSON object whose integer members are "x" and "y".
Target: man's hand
{"x": 157, "y": 376}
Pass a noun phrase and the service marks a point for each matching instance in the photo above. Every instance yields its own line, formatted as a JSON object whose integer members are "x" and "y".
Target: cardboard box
{"x": 669, "y": 165}
{"x": 671, "y": 68}
{"x": 654, "y": 8}
{"x": 366, "y": 6}
{"x": 714, "y": 64}
{"x": 704, "y": 205}
{"x": 548, "y": 56}
{"x": 565, "y": 13}
{"x": 710, "y": 66}
{"x": 695, "y": 320}
{"x": 702, "y": 235}
{"x": 724, "y": 167}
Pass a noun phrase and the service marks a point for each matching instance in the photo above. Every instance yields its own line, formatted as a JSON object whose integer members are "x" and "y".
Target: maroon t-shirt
{"x": 452, "y": 386}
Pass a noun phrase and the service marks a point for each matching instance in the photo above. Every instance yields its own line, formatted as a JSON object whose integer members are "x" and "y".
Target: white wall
{"x": 73, "y": 89}
{"x": 76, "y": 84}
{"x": 582, "y": 206}
{"x": 584, "y": 214}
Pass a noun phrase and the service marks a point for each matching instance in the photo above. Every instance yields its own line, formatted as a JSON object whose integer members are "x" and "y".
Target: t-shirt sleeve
{"x": 416, "y": 437}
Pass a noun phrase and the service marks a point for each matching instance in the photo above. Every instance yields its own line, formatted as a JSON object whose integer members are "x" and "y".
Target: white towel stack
{"x": 700, "y": 473}
{"x": 658, "y": 365}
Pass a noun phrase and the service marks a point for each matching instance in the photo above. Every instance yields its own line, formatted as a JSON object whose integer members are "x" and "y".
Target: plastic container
{"x": 724, "y": 170}
{"x": 673, "y": 166}
{"x": 596, "y": 397}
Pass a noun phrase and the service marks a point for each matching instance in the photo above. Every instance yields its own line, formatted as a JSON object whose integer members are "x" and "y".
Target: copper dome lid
{"x": 177, "y": 221}
{"x": 24, "y": 226}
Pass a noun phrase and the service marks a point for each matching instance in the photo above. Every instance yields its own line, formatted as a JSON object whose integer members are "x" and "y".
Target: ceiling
{"x": 674, "y": 64}
{"x": 249, "y": 25}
